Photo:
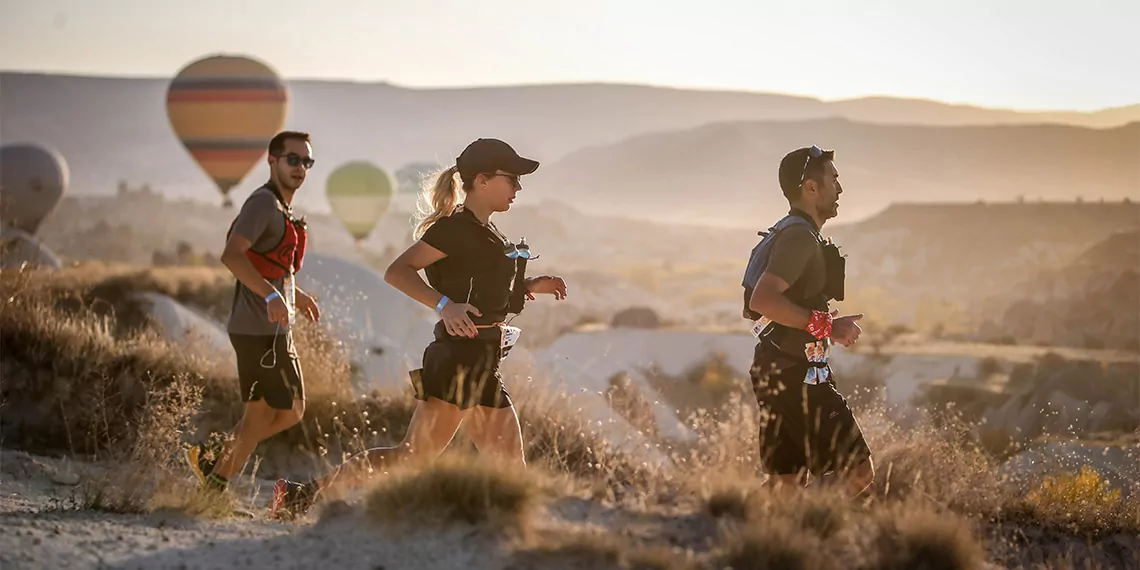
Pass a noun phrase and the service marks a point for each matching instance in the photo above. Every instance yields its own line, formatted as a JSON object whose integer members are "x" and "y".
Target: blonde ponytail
{"x": 438, "y": 201}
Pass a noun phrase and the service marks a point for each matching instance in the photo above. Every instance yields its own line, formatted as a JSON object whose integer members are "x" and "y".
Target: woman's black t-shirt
{"x": 476, "y": 269}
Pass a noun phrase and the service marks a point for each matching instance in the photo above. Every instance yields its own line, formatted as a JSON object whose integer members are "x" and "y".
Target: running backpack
{"x": 758, "y": 260}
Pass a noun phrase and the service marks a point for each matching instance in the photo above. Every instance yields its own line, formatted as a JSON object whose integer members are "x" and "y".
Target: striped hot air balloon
{"x": 359, "y": 194}
{"x": 225, "y": 109}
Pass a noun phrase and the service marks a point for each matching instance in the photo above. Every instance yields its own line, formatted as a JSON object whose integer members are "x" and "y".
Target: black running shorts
{"x": 464, "y": 372}
{"x": 803, "y": 427}
{"x": 268, "y": 368}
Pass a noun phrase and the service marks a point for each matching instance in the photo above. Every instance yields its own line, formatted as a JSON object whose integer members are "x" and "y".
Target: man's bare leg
{"x": 237, "y": 449}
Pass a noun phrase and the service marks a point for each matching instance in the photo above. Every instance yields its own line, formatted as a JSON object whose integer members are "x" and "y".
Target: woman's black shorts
{"x": 462, "y": 371}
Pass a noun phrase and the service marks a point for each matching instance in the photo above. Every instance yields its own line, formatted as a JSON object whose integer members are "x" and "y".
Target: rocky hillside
{"x": 956, "y": 265}
{"x": 1093, "y": 302}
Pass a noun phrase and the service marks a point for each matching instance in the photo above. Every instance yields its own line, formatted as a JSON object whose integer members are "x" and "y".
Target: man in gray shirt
{"x": 264, "y": 250}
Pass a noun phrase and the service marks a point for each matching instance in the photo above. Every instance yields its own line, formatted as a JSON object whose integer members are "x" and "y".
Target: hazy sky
{"x": 1026, "y": 54}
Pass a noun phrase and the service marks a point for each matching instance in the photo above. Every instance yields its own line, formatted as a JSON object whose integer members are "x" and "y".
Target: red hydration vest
{"x": 286, "y": 257}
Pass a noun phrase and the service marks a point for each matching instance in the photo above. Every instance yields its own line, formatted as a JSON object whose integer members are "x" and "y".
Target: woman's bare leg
{"x": 496, "y": 432}
{"x": 431, "y": 429}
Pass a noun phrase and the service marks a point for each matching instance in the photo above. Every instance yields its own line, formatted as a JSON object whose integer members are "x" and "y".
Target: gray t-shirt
{"x": 261, "y": 221}
{"x": 798, "y": 260}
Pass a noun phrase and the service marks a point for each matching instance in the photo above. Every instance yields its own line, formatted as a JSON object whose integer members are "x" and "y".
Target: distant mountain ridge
{"x": 726, "y": 173}
{"x": 115, "y": 128}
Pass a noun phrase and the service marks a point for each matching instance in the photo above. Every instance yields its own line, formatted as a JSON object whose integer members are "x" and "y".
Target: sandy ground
{"x": 42, "y": 527}
{"x": 91, "y": 539}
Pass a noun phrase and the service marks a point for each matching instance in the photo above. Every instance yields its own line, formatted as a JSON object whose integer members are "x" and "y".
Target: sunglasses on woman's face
{"x": 294, "y": 159}
{"x": 513, "y": 178}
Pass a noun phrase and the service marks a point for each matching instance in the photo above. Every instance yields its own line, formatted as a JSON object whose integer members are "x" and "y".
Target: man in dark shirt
{"x": 809, "y": 427}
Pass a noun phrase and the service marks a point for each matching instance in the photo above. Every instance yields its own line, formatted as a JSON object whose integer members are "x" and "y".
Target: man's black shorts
{"x": 268, "y": 368}
{"x": 804, "y": 427}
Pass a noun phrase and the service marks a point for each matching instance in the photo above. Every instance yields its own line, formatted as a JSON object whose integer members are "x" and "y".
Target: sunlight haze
{"x": 1011, "y": 54}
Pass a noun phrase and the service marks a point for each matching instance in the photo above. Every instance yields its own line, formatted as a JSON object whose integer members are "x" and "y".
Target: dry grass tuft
{"x": 145, "y": 474}
{"x": 455, "y": 490}
{"x": 131, "y": 490}
{"x": 913, "y": 536}
{"x": 944, "y": 465}
{"x": 822, "y": 512}
{"x": 725, "y": 442}
{"x": 561, "y": 440}
{"x": 69, "y": 384}
{"x": 821, "y": 528}
{"x": 773, "y": 544}
{"x": 730, "y": 501}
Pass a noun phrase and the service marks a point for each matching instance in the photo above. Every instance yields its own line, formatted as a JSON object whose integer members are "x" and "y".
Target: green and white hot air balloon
{"x": 359, "y": 193}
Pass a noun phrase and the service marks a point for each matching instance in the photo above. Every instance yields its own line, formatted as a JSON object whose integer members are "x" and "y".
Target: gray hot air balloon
{"x": 32, "y": 180}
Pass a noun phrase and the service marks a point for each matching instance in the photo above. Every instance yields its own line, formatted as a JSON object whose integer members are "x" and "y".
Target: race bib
{"x": 818, "y": 352}
{"x": 760, "y": 326}
{"x": 510, "y": 336}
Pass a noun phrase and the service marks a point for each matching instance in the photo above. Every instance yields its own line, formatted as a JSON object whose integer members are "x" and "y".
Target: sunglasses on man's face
{"x": 294, "y": 159}
{"x": 813, "y": 152}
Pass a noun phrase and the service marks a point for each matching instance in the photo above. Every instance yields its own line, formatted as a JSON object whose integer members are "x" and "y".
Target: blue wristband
{"x": 441, "y": 303}
{"x": 271, "y": 296}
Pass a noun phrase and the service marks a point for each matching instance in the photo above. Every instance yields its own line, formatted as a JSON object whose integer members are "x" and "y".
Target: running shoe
{"x": 201, "y": 459}
{"x": 291, "y": 499}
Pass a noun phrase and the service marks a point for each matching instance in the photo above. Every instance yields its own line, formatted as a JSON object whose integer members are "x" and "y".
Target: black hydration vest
{"x": 473, "y": 283}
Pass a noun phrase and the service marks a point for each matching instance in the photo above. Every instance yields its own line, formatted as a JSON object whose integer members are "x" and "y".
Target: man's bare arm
{"x": 233, "y": 257}
{"x": 768, "y": 299}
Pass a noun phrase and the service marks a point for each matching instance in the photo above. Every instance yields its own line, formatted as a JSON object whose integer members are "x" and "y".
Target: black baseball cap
{"x": 489, "y": 155}
{"x": 795, "y": 163}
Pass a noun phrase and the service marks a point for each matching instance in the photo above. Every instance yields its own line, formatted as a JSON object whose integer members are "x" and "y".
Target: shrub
{"x": 455, "y": 490}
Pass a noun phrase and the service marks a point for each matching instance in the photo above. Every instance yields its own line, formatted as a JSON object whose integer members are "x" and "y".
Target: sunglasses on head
{"x": 294, "y": 159}
{"x": 813, "y": 152}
